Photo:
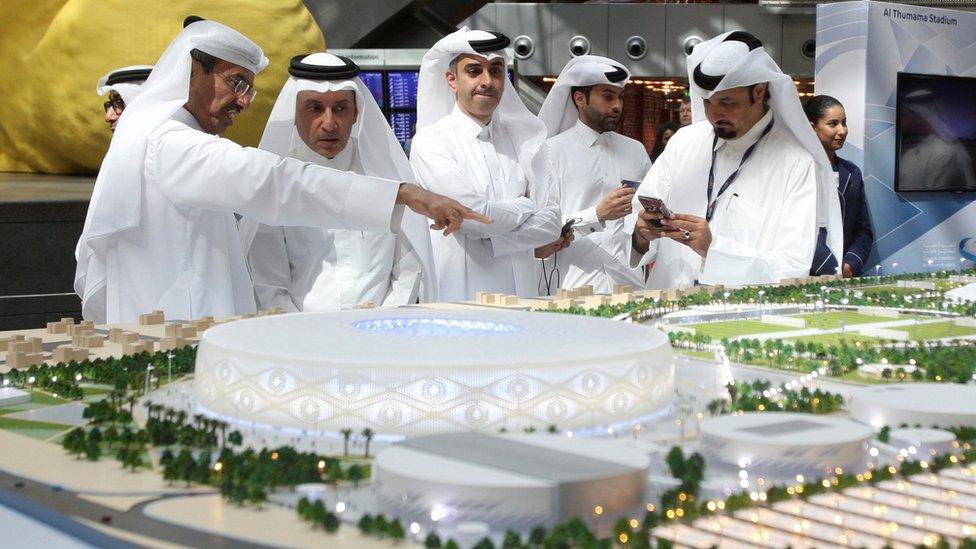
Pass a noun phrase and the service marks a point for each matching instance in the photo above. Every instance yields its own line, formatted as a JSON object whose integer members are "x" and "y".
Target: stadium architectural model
{"x": 816, "y": 413}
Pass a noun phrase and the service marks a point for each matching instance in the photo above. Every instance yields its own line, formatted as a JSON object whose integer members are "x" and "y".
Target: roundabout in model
{"x": 422, "y": 371}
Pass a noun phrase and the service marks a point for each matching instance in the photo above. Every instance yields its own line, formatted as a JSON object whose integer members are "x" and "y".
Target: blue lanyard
{"x": 711, "y": 171}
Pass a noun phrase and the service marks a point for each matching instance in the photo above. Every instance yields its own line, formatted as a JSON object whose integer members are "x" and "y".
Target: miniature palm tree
{"x": 368, "y": 435}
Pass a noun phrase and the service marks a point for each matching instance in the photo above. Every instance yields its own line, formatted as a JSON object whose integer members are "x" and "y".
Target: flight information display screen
{"x": 403, "y": 124}
{"x": 402, "y": 87}
{"x": 374, "y": 82}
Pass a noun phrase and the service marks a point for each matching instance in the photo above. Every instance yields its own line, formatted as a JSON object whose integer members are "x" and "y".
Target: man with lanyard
{"x": 478, "y": 143}
{"x": 326, "y": 115}
{"x": 741, "y": 187}
{"x": 161, "y": 231}
{"x": 122, "y": 86}
{"x": 590, "y": 163}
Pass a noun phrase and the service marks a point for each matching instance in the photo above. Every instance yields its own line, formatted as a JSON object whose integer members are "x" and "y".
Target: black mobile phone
{"x": 567, "y": 227}
{"x": 653, "y": 204}
{"x": 629, "y": 183}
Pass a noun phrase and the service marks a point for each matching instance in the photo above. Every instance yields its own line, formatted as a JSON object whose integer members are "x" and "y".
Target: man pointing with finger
{"x": 161, "y": 231}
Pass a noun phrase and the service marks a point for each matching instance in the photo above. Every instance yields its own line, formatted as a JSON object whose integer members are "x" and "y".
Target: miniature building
{"x": 171, "y": 343}
{"x": 24, "y": 359}
{"x": 568, "y": 294}
{"x": 153, "y": 318}
{"x": 60, "y": 327}
{"x": 672, "y": 295}
{"x": 510, "y": 301}
{"x": 88, "y": 341}
{"x": 6, "y": 341}
{"x": 32, "y": 345}
{"x": 595, "y": 301}
{"x": 67, "y": 353}
{"x": 565, "y": 303}
{"x": 137, "y": 346}
{"x": 85, "y": 327}
{"x": 622, "y": 289}
{"x": 586, "y": 290}
{"x": 543, "y": 305}
{"x": 366, "y": 305}
{"x": 621, "y": 298}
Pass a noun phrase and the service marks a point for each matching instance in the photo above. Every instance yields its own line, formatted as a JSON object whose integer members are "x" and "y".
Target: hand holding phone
{"x": 630, "y": 184}
{"x": 567, "y": 227}
{"x": 656, "y": 205}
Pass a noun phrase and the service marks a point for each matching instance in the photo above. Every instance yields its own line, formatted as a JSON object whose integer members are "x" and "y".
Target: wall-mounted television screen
{"x": 935, "y": 133}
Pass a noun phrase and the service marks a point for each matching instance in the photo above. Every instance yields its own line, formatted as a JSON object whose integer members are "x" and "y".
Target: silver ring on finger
{"x": 687, "y": 235}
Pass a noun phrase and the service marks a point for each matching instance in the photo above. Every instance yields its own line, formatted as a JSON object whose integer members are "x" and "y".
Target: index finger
{"x": 686, "y": 217}
{"x": 475, "y": 216}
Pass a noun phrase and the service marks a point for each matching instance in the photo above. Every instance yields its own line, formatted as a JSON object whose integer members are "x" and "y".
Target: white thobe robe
{"x": 311, "y": 269}
{"x": 764, "y": 227}
{"x": 477, "y": 165}
{"x": 185, "y": 257}
{"x": 586, "y": 165}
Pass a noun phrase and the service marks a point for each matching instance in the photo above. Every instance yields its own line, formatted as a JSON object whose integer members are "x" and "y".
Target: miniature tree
{"x": 451, "y": 544}
{"x": 235, "y": 437}
{"x": 346, "y": 434}
{"x": 537, "y": 536}
{"x": 74, "y": 442}
{"x": 365, "y": 524}
{"x": 395, "y": 531}
{"x": 512, "y": 540}
{"x": 484, "y": 543}
{"x": 93, "y": 450}
{"x": 330, "y": 522}
{"x": 380, "y": 525}
{"x": 356, "y": 474}
{"x": 676, "y": 462}
{"x": 368, "y": 435}
{"x": 622, "y": 526}
{"x": 432, "y": 541}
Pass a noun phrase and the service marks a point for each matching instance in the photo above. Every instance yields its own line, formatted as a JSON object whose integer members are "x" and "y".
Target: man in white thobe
{"x": 326, "y": 115}
{"x": 161, "y": 231}
{"x": 589, "y": 161}
{"x": 122, "y": 86}
{"x": 742, "y": 185}
{"x": 478, "y": 143}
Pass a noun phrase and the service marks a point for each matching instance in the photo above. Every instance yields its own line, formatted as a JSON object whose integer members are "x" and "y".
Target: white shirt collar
{"x": 186, "y": 117}
{"x": 750, "y": 137}
{"x": 471, "y": 128}
{"x": 590, "y": 136}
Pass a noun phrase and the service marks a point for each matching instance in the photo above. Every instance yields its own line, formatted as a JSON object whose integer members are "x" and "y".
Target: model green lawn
{"x": 824, "y": 321}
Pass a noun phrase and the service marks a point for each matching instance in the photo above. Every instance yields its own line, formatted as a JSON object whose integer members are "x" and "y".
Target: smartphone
{"x": 652, "y": 204}
{"x": 629, "y": 183}
{"x": 567, "y": 227}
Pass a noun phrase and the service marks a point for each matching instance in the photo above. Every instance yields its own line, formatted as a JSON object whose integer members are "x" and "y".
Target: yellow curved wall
{"x": 52, "y": 53}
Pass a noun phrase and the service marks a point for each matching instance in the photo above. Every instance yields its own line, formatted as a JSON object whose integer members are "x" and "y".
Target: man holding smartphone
{"x": 733, "y": 200}
{"x": 596, "y": 169}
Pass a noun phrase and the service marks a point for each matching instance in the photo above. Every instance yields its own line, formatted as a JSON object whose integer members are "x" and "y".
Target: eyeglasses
{"x": 241, "y": 87}
{"x": 117, "y": 104}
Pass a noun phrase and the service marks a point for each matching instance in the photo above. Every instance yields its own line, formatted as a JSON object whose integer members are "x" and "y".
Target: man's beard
{"x": 725, "y": 132}
{"x": 600, "y": 122}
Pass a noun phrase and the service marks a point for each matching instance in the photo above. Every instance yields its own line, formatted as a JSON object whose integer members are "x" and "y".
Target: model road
{"x": 61, "y": 505}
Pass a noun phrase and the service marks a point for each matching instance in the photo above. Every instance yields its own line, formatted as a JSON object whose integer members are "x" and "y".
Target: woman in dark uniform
{"x": 829, "y": 121}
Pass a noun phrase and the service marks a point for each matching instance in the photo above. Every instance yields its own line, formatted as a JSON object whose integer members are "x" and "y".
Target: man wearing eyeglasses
{"x": 122, "y": 86}
{"x": 161, "y": 232}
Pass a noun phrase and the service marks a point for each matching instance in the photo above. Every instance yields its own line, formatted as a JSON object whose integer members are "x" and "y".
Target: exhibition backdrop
{"x": 861, "y": 48}
{"x": 54, "y": 52}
